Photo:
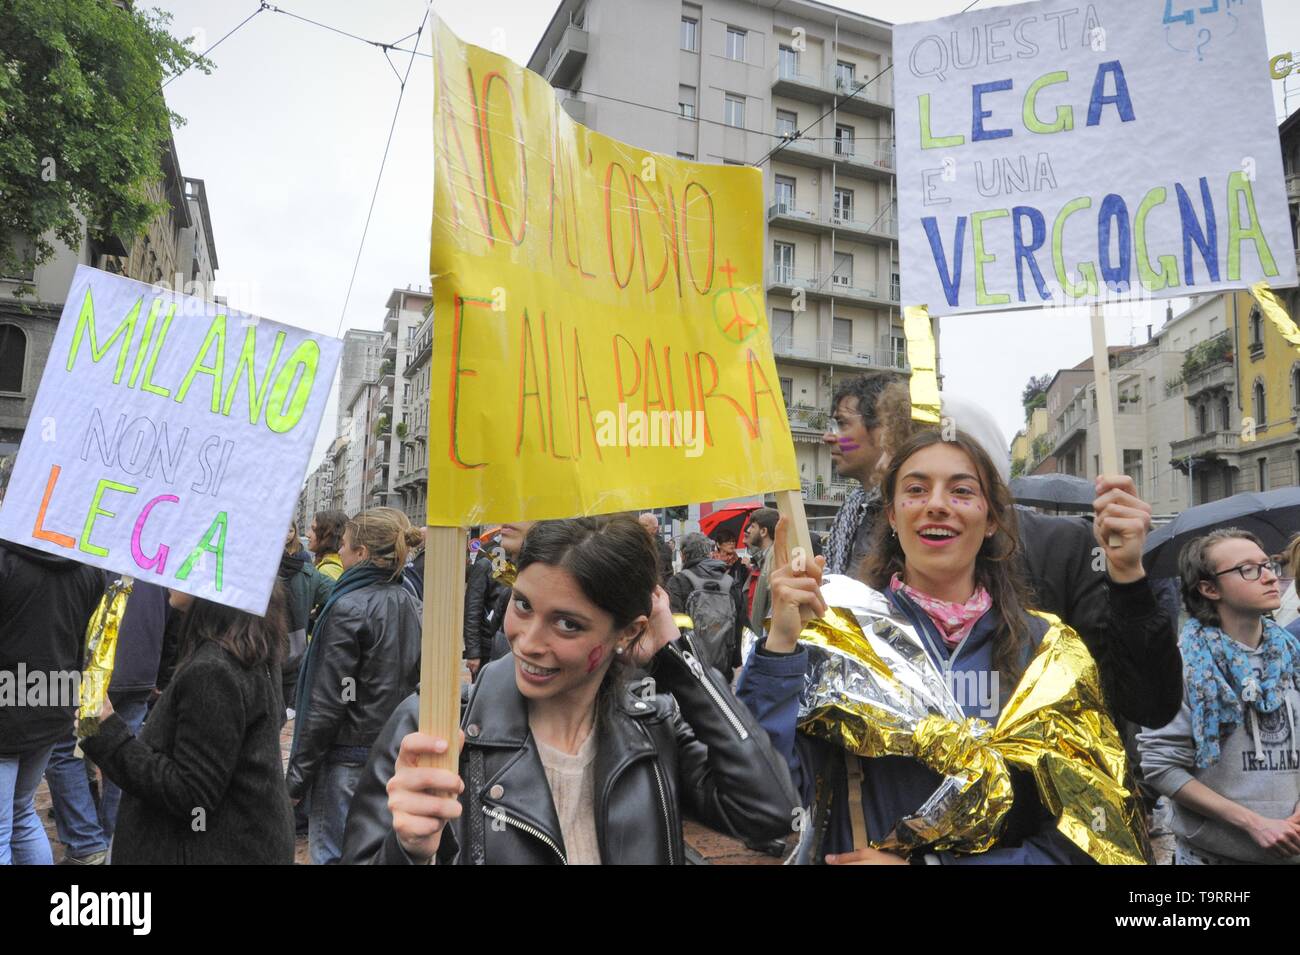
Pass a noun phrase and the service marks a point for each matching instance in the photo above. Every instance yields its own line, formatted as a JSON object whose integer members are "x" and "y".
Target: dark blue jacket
{"x": 140, "y": 639}
{"x": 894, "y": 786}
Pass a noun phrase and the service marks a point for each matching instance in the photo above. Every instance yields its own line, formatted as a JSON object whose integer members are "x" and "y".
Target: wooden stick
{"x": 1105, "y": 401}
{"x": 441, "y": 640}
{"x": 790, "y": 505}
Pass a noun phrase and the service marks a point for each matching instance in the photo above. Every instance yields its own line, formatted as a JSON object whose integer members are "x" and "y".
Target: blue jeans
{"x": 22, "y": 837}
{"x": 331, "y": 795}
{"x": 132, "y": 706}
{"x": 76, "y": 816}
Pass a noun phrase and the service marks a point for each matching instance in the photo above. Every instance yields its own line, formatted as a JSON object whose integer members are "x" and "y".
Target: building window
{"x": 782, "y": 329}
{"x": 843, "y": 335}
{"x": 1260, "y": 408}
{"x": 787, "y": 391}
{"x": 843, "y": 274}
{"x": 895, "y": 287}
{"x": 843, "y": 140}
{"x": 1202, "y": 419}
{"x": 1261, "y": 473}
{"x": 844, "y": 75}
{"x": 690, "y": 156}
{"x": 787, "y": 61}
{"x": 785, "y": 186}
{"x": 686, "y": 101}
{"x": 787, "y": 122}
{"x": 842, "y": 210}
{"x": 1225, "y": 411}
{"x": 1155, "y": 473}
{"x": 734, "y": 110}
{"x": 13, "y": 358}
{"x": 1133, "y": 466}
{"x": 736, "y": 44}
{"x": 1295, "y": 386}
{"x": 690, "y": 34}
{"x": 1256, "y": 328}
{"x": 783, "y": 262}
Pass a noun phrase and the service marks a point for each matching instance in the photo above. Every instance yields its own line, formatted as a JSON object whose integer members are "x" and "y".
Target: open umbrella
{"x": 1061, "y": 491}
{"x": 727, "y": 522}
{"x": 1272, "y": 516}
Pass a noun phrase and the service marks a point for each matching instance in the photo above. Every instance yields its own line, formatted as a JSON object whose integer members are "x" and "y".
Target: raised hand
{"x": 1121, "y": 525}
{"x": 796, "y": 592}
{"x": 422, "y": 800}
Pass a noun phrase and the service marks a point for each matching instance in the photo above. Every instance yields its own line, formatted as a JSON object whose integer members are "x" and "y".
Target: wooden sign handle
{"x": 790, "y": 506}
{"x": 442, "y": 640}
{"x": 1105, "y": 401}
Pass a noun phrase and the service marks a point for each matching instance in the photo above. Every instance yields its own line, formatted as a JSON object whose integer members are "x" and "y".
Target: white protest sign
{"x": 1064, "y": 152}
{"x": 168, "y": 439}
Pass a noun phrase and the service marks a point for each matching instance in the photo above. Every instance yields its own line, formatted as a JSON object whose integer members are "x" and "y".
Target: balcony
{"x": 826, "y": 285}
{"x": 1293, "y": 188}
{"x": 827, "y": 353}
{"x": 797, "y": 81}
{"x": 1073, "y": 427}
{"x": 863, "y": 159}
{"x": 1206, "y": 446}
{"x": 567, "y": 57}
{"x": 1219, "y": 376}
{"x": 579, "y": 110}
{"x": 411, "y": 478}
{"x": 876, "y": 227}
{"x": 390, "y": 348}
{"x": 390, "y": 324}
{"x": 419, "y": 354}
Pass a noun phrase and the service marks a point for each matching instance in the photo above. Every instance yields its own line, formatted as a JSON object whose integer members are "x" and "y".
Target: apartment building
{"x": 363, "y": 354}
{"x": 407, "y": 310}
{"x": 412, "y": 429}
{"x": 766, "y": 82}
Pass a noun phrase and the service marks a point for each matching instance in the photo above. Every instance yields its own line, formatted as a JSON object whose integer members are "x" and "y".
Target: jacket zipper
{"x": 663, "y": 804}
{"x": 698, "y": 670}
{"x": 532, "y": 830}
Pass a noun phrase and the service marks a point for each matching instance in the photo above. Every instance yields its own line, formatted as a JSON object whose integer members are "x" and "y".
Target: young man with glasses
{"x": 1230, "y": 760}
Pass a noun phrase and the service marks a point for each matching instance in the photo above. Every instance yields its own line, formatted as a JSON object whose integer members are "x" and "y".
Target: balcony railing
{"x": 795, "y": 77}
{"x": 828, "y": 284}
{"x": 829, "y": 216}
{"x": 1204, "y": 445}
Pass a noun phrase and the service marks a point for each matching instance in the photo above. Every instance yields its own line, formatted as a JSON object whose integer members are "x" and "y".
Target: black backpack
{"x": 712, "y": 610}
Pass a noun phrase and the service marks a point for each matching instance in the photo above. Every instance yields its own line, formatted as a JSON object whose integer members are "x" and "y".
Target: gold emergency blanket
{"x": 101, "y": 652}
{"x": 872, "y": 689}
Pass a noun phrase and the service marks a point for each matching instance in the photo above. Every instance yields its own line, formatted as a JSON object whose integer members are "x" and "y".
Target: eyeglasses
{"x": 836, "y": 426}
{"x": 1253, "y": 571}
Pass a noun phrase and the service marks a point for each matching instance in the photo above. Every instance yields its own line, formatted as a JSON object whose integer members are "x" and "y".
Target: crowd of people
{"x": 616, "y": 685}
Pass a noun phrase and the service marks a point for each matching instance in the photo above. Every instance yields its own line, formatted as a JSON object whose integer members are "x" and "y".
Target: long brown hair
{"x": 251, "y": 640}
{"x": 329, "y": 526}
{"x": 995, "y": 565}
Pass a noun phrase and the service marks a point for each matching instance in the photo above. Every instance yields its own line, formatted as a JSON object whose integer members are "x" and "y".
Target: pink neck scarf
{"x": 955, "y": 621}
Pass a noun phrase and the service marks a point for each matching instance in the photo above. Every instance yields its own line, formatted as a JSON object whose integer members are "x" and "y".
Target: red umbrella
{"x": 728, "y": 522}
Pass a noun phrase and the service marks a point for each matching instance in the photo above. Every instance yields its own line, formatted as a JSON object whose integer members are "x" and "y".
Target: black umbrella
{"x": 1272, "y": 516}
{"x": 1061, "y": 491}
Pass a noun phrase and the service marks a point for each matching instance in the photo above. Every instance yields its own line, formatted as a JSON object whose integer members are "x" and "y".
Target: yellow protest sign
{"x": 601, "y": 340}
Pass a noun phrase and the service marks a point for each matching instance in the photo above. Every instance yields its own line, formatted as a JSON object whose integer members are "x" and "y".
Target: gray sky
{"x": 289, "y": 130}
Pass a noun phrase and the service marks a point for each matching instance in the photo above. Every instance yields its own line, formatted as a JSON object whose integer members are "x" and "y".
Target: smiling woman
{"x": 561, "y": 761}
{"x": 944, "y": 560}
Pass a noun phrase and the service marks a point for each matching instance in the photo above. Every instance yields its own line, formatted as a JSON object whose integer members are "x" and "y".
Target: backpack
{"x": 712, "y": 610}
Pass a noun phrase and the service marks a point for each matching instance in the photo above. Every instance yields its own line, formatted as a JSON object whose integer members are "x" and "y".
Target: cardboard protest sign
{"x": 168, "y": 439}
{"x": 1071, "y": 152}
{"x": 602, "y": 341}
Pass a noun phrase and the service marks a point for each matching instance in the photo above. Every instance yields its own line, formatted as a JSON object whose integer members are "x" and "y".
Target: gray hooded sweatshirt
{"x": 1258, "y": 767}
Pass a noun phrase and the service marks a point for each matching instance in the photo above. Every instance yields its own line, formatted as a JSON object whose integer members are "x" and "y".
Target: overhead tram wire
{"x": 382, "y": 164}
{"x": 788, "y": 139}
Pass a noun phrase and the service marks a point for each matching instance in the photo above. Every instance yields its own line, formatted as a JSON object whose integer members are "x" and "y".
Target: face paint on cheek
{"x": 848, "y": 444}
{"x": 594, "y": 657}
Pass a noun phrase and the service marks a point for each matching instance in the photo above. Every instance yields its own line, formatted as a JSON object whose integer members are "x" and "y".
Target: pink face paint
{"x": 848, "y": 444}
{"x": 594, "y": 657}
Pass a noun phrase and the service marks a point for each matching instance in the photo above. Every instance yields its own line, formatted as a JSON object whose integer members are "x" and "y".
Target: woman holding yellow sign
{"x": 561, "y": 762}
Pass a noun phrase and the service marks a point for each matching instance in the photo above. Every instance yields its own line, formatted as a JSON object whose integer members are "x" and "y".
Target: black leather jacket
{"x": 371, "y": 637}
{"x": 697, "y": 751}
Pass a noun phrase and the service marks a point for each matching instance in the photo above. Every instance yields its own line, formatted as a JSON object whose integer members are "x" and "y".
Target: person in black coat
{"x": 203, "y": 783}
{"x": 45, "y": 605}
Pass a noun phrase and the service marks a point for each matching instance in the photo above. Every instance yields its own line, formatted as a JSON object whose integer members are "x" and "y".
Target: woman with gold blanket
{"x": 944, "y": 561}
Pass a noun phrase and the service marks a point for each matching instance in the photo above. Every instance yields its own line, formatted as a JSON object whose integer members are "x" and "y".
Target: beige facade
{"x": 724, "y": 81}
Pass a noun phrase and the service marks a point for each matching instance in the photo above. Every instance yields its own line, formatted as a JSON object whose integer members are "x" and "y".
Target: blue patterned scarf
{"x": 1221, "y": 681}
{"x": 844, "y": 529}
